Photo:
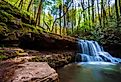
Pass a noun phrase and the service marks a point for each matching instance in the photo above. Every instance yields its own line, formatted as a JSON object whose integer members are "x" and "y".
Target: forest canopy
{"x": 87, "y": 19}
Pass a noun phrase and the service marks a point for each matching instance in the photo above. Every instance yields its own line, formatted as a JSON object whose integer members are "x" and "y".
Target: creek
{"x": 92, "y": 64}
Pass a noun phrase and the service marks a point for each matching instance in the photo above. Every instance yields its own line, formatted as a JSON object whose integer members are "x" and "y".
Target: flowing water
{"x": 93, "y": 52}
{"x": 93, "y": 64}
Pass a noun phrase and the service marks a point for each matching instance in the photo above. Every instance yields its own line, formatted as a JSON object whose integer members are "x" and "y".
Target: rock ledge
{"x": 34, "y": 72}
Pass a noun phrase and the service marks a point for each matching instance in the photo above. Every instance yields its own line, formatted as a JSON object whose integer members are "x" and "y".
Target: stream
{"x": 93, "y": 64}
{"x": 90, "y": 72}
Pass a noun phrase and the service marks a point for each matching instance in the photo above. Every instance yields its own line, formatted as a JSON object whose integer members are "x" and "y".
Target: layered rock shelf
{"x": 28, "y": 72}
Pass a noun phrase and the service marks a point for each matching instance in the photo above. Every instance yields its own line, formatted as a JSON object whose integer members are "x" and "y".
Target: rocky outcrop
{"x": 29, "y": 72}
{"x": 48, "y": 41}
{"x": 7, "y": 53}
{"x": 55, "y": 59}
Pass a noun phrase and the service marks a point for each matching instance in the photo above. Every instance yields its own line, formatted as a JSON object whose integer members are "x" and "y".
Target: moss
{"x": 6, "y": 16}
{"x": 28, "y": 26}
{"x": 1, "y": 51}
{"x": 36, "y": 59}
{"x": 2, "y": 57}
{"x": 20, "y": 14}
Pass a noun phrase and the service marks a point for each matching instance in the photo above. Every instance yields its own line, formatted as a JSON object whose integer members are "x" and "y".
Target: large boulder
{"x": 31, "y": 72}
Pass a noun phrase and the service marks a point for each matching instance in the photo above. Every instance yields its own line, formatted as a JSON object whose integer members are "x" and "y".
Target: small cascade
{"x": 91, "y": 51}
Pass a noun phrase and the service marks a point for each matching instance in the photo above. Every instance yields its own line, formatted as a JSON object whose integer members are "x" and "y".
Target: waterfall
{"x": 91, "y": 51}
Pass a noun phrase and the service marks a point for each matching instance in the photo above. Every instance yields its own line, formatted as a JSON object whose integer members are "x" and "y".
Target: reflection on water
{"x": 90, "y": 73}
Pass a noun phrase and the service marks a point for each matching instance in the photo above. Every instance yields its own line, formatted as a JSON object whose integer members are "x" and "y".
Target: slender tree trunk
{"x": 16, "y": 2}
{"x": 84, "y": 17}
{"x": 89, "y": 13}
{"x": 82, "y": 4}
{"x": 102, "y": 12}
{"x": 117, "y": 14}
{"x": 109, "y": 8}
{"x": 35, "y": 11}
{"x": 92, "y": 11}
{"x": 30, "y": 3}
{"x": 72, "y": 17}
{"x": 104, "y": 15}
{"x": 64, "y": 18}
{"x": 120, "y": 6}
{"x": 60, "y": 8}
{"x": 21, "y": 4}
{"x": 98, "y": 13}
{"x": 67, "y": 17}
{"x": 43, "y": 19}
{"x": 56, "y": 28}
{"x": 39, "y": 13}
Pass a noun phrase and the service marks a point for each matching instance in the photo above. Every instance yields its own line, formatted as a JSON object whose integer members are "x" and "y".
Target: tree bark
{"x": 30, "y": 3}
{"x": 39, "y": 13}
{"x": 109, "y": 8}
{"x": 92, "y": 11}
{"x": 98, "y": 13}
{"x": 60, "y": 8}
{"x": 120, "y": 6}
{"x": 89, "y": 13}
{"x": 116, "y": 8}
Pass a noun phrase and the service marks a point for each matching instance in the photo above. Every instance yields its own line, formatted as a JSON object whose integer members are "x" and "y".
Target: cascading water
{"x": 92, "y": 51}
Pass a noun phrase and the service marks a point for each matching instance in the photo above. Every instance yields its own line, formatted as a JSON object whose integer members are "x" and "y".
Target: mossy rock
{"x": 3, "y": 57}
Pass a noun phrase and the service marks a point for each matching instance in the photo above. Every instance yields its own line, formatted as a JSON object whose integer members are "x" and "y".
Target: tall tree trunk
{"x": 72, "y": 17}
{"x": 84, "y": 17}
{"x": 104, "y": 15}
{"x": 109, "y": 8}
{"x": 92, "y": 11}
{"x": 39, "y": 13}
{"x": 82, "y": 4}
{"x": 116, "y": 8}
{"x": 30, "y": 3}
{"x": 60, "y": 8}
{"x": 64, "y": 18}
{"x": 89, "y": 13}
{"x": 98, "y": 13}
{"x": 120, "y": 6}
{"x": 102, "y": 12}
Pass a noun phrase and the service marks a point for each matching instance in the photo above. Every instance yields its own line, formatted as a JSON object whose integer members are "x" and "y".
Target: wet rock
{"x": 34, "y": 72}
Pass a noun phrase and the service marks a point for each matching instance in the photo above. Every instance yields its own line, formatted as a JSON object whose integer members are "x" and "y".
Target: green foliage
{"x": 78, "y": 18}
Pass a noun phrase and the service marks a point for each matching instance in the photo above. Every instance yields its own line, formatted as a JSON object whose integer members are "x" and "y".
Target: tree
{"x": 30, "y": 3}
{"x": 109, "y": 8}
{"x": 21, "y": 3}
{"x": 89, "y": 13}
{"x": 98, "y": 12}
{"x": 119, "y": 6}
{"x": 38, "y": 18}
{"x": 92, "y": 1}
{"x": 60, "y": 8}
{"x": 117, "y": 14}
